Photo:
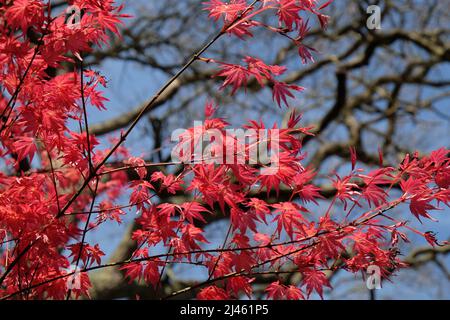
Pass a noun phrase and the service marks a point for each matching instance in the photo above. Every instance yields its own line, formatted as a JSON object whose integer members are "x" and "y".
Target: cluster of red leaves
{"x": 290, "y": 20}
{"x": 238, "y": 76}
{"x": 288, "y": 13}
{"x": 36, "y": 112}
{"x": 309, "y": 242}
{"x": 44, "y": 215}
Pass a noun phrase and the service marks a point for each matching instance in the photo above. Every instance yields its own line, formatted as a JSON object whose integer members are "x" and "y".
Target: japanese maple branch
{"x": 54, "y": 179}
{"x": 93, "y": 172}
{"x": 86, "y": 226}
{"x": 86, "y": 122}
{"x": 267, "y": 246}
{"x": 150, "y": 105}
{"x": 238, "y": 273}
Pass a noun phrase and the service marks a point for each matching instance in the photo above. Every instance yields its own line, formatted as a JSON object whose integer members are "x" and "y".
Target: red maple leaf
{"x": 25, "y": 147}
{"x": 228, "y": 11}
{"x": 133, "y": 271}
{"x": 315, "y": 281}
{"x": 420, "y": 206}
{"x": 193, "y": 210}
{"x": 235, "y": 76}
{"x": 213, "y": 293}
{"x": 151, "y": 272}
{"x": 138, "y": 165}
{"x": 288, "y": 13}
{"x": 23, "y": 13}
{"x": 281, "y": 91}
{"x": 290, "y": 217}
{"x": 276, "y": 291}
